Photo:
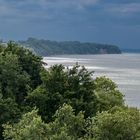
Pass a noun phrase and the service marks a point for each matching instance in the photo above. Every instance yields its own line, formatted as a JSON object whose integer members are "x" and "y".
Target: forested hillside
{"x": 59, "y": 103}
{"x": 47, "y": 47}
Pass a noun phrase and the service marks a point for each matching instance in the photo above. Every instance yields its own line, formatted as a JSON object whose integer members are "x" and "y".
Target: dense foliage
{"x": 19, "y": 73}
{"x": 117, "y": 124}
{"x": 47, "y": 47}
{"x": 73, "y": 86}
{"x": 59, "y": 103}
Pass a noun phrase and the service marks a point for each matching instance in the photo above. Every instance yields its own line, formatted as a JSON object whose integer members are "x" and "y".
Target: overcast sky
{"x": 102, "y": 21}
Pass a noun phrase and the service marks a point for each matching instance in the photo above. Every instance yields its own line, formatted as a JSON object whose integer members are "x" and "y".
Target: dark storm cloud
{"x": 107, "y": 21}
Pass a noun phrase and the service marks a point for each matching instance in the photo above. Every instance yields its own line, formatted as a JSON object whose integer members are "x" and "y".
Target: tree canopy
{"x": 119, "y": 124}
{"x": 59, "y": 103}
{"x": 116, "y": 124}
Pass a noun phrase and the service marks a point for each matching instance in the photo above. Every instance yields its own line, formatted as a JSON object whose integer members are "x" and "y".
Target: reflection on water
{"x": 124, "y": 69}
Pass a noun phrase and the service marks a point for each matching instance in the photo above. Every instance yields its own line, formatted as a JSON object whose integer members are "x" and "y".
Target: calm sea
{"x": 124, "y": 69}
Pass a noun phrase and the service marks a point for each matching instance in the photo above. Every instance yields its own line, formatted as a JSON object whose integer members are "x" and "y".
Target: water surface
{"x": 124, "y": 69}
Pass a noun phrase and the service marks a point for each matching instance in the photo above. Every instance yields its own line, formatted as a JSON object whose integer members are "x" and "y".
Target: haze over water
{"x": 123, "y": 69}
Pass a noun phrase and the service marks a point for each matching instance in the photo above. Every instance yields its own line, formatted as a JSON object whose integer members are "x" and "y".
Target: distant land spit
{"x": 46, "y": 47}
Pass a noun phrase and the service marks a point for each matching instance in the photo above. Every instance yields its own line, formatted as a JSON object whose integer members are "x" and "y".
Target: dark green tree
{"x": 14, "y": 82}
{"x": 29, "y": 62}
{"x": 19, "y": 74}
{"x": 73, "y": 86}
{"x": 9, "y": 112}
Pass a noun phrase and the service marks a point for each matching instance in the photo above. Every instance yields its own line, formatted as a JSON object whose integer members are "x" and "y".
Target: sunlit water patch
{"x": 124, "y": 69}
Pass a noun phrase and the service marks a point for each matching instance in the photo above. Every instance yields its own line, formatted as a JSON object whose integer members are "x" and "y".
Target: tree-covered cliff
{"x": 47, "y": 47}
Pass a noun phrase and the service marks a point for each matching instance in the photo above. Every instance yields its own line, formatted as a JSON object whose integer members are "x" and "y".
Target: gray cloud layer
{"x": 108, "y": 21}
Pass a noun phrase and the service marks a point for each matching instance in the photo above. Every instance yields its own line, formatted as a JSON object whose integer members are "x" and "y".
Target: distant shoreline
{"x": 47, "y": 47}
